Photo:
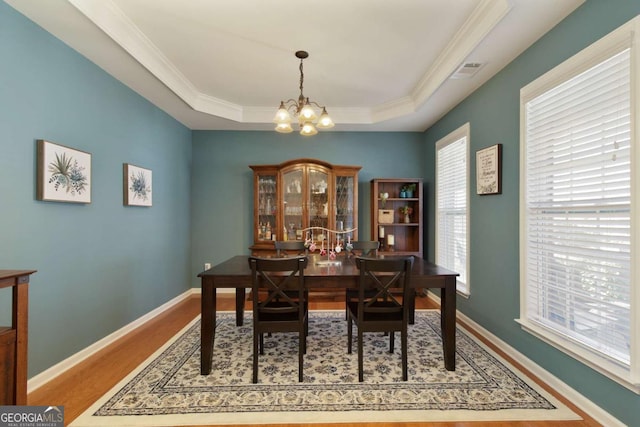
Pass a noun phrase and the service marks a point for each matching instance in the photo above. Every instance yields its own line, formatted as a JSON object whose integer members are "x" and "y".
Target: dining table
{"x": 321, "y": 274}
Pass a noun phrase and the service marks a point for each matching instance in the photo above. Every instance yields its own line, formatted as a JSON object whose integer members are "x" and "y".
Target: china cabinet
{"x": 299, "y": 194}
{"x": 396, "y": 215}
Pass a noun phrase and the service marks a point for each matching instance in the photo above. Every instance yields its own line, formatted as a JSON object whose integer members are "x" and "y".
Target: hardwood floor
{"x": 82, "y": 385}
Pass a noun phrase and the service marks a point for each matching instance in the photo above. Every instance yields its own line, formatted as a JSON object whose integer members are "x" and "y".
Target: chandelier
{"x": 302, "y": 107}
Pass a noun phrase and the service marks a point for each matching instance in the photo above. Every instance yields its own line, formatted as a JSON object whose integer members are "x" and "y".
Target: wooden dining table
{"x": 321, "y": 273}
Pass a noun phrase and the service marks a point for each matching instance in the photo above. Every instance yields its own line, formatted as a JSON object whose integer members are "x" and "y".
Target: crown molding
{"x": 480, "y": 23}
{"x": 110, "y": 19}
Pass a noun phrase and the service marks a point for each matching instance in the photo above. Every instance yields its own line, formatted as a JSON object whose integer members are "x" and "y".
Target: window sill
{"x": 604, "y": 366}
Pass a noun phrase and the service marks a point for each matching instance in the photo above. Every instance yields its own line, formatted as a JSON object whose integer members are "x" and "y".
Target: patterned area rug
{"x": 168, "y": 389}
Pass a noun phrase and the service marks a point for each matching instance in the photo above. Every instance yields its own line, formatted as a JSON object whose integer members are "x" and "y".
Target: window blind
{"x": 451, "y": 181}
{"x": 578, "y": 208}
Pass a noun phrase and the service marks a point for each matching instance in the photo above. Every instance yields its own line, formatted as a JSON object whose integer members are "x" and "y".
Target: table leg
{"x": 241, "y": 293}
{"x": 19, "y": 323}
{"x": 207, "y": 325}
{"x": 448, "y": 323}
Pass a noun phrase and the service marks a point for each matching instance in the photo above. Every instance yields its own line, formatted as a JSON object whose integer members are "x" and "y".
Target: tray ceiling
{"x": 377, "y": 65}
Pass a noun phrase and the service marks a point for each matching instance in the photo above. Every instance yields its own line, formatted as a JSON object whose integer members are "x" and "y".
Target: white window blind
{"x": 452, "y": 205}
{"x": 577, "y": 210}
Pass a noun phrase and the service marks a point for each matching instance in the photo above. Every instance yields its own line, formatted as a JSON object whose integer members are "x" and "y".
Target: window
{"x": 452, "y": 204}
{"x": 576, "y": 206}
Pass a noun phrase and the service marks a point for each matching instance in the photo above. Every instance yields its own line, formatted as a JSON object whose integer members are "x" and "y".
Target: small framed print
{"x": 137, "y": 188}
{"x": 63, "y": 173}
{"x": 489, "y": 170}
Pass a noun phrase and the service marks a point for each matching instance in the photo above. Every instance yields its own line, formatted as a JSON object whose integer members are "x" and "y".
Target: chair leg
{"x": 304, "y": 336}
{"x": 349, "y": 332}
{"x": 261, "y": 343}
{"x": 403, "y": 337}
{"x": 306, "y": 325}
{"x": 391, "y": 341}
{"x": 255, "y": 356}
{"x": 346, "y": 308}
{"x": 360, "y": 357}
{"x": 301, "y": 350}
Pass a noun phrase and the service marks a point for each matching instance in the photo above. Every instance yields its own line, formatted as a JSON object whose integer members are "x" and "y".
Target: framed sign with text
{"x": 489, "y": 170}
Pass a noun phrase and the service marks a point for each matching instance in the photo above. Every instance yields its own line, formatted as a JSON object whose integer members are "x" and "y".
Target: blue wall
{"x": 222, "y": 204}
{"x": 100, "y": 265}
{"x": 493, "y": 112}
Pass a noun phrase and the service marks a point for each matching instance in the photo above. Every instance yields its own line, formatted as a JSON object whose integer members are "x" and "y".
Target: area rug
{"x": 168, "y": 389}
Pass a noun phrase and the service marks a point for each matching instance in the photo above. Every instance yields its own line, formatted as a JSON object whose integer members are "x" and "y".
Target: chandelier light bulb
{"x": 307, "y": 113}
{"x": 308, "y": 129}
{"x": 282, "y": 115}
{"x": 325, "y": 121}
{"x": 284, "y": 128}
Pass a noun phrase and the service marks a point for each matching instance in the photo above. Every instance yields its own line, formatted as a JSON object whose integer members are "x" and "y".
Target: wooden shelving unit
{"x": 13, "y": 339}
{"x": 387, "y": 220}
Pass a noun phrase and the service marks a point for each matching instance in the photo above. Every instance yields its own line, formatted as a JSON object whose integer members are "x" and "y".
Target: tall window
{"x": 452, "y": 204}
{"x": 577, "y": 199}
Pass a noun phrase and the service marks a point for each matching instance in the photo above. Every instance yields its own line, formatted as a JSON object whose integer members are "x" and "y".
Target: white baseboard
{"x": 596, "y": 412}
{"x": 49, "y": 374}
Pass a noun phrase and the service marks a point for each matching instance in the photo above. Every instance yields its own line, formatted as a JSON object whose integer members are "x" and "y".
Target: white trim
{"x": 112, "y": 21}
{"x": 47, "y": 375}
{"x": 463, "y": 131}
{"x": 560, "y": 387}
{"x": 606, "y": 367}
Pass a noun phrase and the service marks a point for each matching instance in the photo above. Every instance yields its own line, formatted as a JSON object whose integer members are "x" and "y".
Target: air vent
{"x": 467, "y": 70}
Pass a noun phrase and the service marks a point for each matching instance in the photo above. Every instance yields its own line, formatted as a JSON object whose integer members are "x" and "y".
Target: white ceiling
{"x": 378, "y": 65}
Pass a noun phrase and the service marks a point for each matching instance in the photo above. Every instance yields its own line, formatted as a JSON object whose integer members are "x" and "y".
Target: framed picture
{"x": 63, "y": 173}
{"x": 489, "y": 170}
{"x": 137, "y": 189}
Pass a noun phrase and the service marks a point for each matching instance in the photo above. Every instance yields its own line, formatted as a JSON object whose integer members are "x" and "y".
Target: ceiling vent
{"x": 467, "y": 70}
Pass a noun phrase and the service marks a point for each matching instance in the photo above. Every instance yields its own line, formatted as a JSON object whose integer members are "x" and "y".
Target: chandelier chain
{"x": 301, "y": 81}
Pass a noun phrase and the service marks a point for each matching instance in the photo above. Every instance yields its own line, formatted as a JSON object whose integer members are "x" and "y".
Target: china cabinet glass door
{"x": 293, "y": 200}
{"x": 319, "y": 204}
{"x": 345, "y": 202}
{"x": 267, "y": 207}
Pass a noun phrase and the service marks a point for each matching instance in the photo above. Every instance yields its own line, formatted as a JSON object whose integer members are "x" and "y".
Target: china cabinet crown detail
{"x": 397, "y": 215}
{"x": 297, "y": 194}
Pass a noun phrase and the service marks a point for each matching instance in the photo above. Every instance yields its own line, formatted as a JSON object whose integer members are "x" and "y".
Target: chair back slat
{"x": 365, "y": 248}
{"x": 286, "y": 248}
{"x": 380, "y": 280}
{"x": 278, "y": 277}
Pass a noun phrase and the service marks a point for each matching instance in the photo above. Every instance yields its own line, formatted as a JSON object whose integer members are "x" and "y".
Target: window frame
{"x": 625, "y": 37}
{"x": 463, "y": 282}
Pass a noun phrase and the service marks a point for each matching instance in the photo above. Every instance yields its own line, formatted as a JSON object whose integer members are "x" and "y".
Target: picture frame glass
{"x": 64, "y": 173}
{"x": 138, "y": 190}
{"x": 488, "y": 170}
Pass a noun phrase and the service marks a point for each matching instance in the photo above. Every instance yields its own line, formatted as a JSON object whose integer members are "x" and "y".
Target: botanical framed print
{"x": 137, "y": 189}
{"x": 63, "y": 173}
{"x": 489, "y": 170}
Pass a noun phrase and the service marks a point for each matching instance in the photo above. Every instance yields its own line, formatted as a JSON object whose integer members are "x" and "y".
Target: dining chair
{"x": 383, "y": 311}
{"x": 273, "y": 309}
{"x": 286, "y": 248}
{"x": 363, "y": 248}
